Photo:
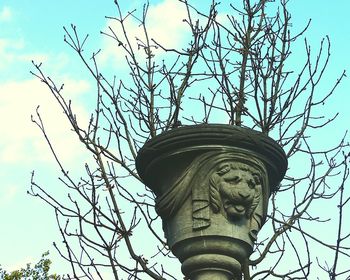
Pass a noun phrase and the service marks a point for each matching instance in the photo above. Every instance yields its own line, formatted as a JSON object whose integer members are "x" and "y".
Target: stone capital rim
{"x": 210, "y": 137}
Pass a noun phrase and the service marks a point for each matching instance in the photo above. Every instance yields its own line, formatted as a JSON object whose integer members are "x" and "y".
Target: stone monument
{"x": 212, "y": 185}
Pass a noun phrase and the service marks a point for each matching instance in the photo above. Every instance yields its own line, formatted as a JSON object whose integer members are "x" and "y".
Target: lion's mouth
{"x": 238, "y": 208}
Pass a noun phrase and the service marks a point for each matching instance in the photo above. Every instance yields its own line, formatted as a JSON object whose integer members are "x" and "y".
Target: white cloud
{"x": 164, "y": 24}
{"x": 13, "y": 52}
{"x": 7, "y": 194}
{"x": 21, "y": 140}
{"x": 6, "y": 14}
{"x": 8, "y": 50}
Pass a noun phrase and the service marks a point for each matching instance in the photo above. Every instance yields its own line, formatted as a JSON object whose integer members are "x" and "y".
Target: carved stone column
{"x": 212, "y": 184}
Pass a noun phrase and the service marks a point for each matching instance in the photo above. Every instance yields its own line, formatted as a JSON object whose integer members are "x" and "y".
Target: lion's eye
{"x": 223, "y": 170}
{"x": 233, "y": 179}
{"x": 251, "y": 184}
{"x": 236, "y": 179}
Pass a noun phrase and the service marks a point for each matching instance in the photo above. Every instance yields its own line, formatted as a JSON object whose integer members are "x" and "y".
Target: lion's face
{"x": 237, "y": 187}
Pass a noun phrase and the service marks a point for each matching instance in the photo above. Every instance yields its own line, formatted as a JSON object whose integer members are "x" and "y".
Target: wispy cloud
{"x": 5, "y": 14}
{"x": 7, "y": 194}
{"x": 164, "y": 24}
{"x": 9, "y": 50}
{"x": 21, "y": 141}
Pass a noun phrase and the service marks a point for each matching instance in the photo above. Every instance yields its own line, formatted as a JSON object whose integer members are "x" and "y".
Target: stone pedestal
{"x": 212, "y": 184}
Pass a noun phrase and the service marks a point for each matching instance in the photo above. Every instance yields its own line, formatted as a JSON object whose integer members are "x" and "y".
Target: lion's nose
{"x": 244, "y": 195}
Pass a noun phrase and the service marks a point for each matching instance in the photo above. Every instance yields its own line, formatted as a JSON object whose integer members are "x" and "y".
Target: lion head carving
{"x": 236, "y": 188}
{"x": 233, "y": 184}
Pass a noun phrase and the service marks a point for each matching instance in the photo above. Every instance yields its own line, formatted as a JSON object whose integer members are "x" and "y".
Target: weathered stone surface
{"x": 212, "y": 184}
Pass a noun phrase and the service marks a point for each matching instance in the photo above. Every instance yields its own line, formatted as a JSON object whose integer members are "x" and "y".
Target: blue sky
{"x": 33, "y": 30}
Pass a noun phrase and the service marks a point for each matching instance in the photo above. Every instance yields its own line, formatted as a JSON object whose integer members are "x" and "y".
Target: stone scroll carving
{"x": 232, "y": 184}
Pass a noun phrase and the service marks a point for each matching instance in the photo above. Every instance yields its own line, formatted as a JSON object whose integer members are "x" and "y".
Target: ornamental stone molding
{"x": 212, "y": 185}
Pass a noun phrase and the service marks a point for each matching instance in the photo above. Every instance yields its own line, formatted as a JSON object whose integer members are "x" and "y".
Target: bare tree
{"x": 236, "y": 69}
